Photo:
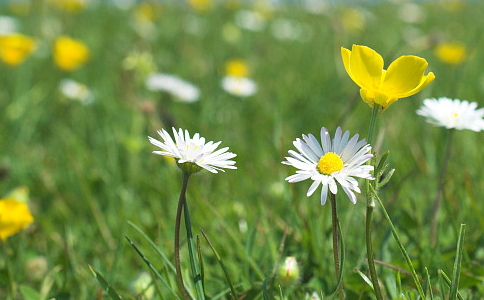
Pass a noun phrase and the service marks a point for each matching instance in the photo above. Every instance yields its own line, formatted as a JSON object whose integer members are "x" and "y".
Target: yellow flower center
{"x": 330, "y": 163}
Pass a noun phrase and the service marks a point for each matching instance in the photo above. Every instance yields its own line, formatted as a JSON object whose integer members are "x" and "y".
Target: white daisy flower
{"x": 331, "y": 162}
{"x": 76, "y": 91}
{"x": 192, "y": 153}
{"x": 452, "y": 113}
{"x": 182, "y": 90}
{"x": 250, "y": 20}
{"x": 239, "y": 86}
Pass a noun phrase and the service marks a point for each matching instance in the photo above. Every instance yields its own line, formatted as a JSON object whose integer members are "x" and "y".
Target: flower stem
{"x": 440, "y": 186}
{"x": 370, "y": 205}
{"x": 181, "y": 203}
{"x": 369, "y": 252}
{"x": 336, "y": 239}
{"x": 8, "y": 268}
{"x": 402, "y": 249}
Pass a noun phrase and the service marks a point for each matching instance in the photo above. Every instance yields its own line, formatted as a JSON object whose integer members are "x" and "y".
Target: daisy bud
{"x": 288, "y": 272}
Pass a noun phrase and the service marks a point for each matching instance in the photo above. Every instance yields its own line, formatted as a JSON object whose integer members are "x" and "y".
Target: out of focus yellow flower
{"x": 70, "y": 54}
{"x": 15, "y": 48}
{"x": 20, "y": 7}
{"x": 353, "y": 20}
{"x": 264, "y": 7}
{"x": 453, "y": 5}
{"x": 233, "y": 4}
{"x": 201, "y": 5}
{"x": 147, "y": 11}
{"x": 452, "y": 53}
{"x": 237, "y": 68}
{"x": 72, "y": 6}
{"x": 404, "y": 77}
{"x": 14, "y": 216}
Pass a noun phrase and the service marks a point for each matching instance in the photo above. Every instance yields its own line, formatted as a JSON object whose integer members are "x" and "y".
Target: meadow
{"x": 93, "y": 184}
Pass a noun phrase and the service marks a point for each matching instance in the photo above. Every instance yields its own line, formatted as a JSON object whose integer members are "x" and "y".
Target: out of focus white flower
{"x": 124, "y": 4}
{"x": 194, "y": 24}
{"x": 76, "y": 91}
{"x": 8, "y": 25}
{"x": 450, "y": 114}
{"x": 313, "y": 296}
{"x": 239, "y": 86}
{"x": 316, "y": 6}
{"x": 177, "y": 87}
{"x": 250, "y": 20}
{"x": 286, "y": 29}
{"x": 411, "y": 13}
{"x": 142, "y": 285}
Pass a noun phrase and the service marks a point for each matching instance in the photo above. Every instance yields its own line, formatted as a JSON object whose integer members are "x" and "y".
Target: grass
{"x": 93, "y": 180}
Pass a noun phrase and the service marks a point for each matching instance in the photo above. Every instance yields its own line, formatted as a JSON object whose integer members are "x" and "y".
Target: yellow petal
{"x": 366, "y": 67}
{"x": 423, "y": 83}
{"x": 345, "y": 55}
{"x": 404, "y": 75}
{"x": 14, "y": 216}
{"x": 368, "y": 97}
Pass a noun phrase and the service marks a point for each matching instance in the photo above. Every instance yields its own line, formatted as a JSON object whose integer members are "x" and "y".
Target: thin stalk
{"x": 336, "y": 239}
{"x": 181, "y": 203}
{"x": 8, "y": 267}
{"x": 402, "y": 249}
{"x": 192, "y": 250}
{"x": 440, "y": 187}
{"x": 369, "y": 253}
{"x": 370, "y": 205}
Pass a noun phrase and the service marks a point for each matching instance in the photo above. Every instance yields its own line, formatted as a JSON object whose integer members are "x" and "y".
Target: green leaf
{"x": 29, "y": 293}
{"x": 457, "y": 264}
{"x": 222, "y": 265}
{"x": 106, "y": 286}
{"x": 152, "y": 268}
{"x": 265, "y": 295}
{"x": 365, "y": 278}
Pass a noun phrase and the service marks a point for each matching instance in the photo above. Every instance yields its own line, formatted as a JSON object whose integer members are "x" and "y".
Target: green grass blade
{"x": 400, "y": 245}
{"x": 152, "y": 268}
{"x": 222, "y": 265}
{"x": 365, "y": 278}
{"x": 457, "y": 264}
{"x": 166, "y": 260}
{"x": 265, "y": 295}
{"x": 106, "y": 286}
{"x": 447, "y": 281}
{"x": 200, "y": 260}
{"x": 192, "y": 252}
{"x": 429, "y": 285}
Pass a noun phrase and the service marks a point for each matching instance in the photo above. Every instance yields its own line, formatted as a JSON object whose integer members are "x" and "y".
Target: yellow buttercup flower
{"x": 201, "y": 5}
{"x": 73, "y": 6}
{"x": 147, "y": 11}
{"x": 14, "y": 216}
{"x": 403, "y": 78}
{"x": 353, "y": 20}
{"x": 452, "y": 53}
{"x": 15, "y": 48}
{"x": 70, "y": 54}
{"x": 237, "y": 68}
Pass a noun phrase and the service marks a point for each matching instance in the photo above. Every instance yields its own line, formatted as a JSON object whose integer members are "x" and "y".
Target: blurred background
{"x": 83, "y": 83}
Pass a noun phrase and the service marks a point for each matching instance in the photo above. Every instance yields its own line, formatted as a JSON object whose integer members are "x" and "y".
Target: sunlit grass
{"x": 93, "y": 180}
